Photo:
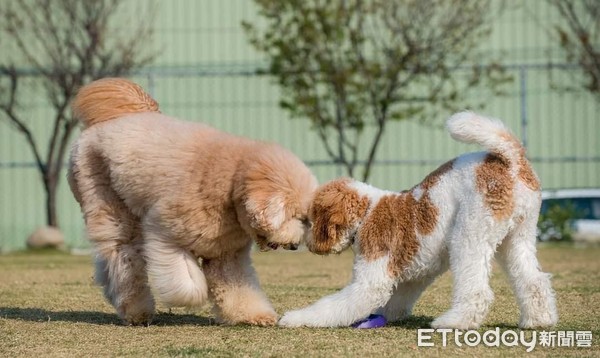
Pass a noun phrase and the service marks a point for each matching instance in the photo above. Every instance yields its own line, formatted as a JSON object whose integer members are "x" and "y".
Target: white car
{"x": 583, "y": 204}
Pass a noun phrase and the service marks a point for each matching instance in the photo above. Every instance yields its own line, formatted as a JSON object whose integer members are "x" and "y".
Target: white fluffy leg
{"x": 371, "y": 287}
{"x": 535, "y": 296}
{"x": 404, "y": 298}
{"x": 471, "y": 253}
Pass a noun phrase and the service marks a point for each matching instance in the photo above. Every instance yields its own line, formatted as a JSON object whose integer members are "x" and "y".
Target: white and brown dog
{"x": 460, "y": 216}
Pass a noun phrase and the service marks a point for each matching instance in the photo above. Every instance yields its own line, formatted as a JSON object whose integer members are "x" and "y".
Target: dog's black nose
{"x": 292, "y": 247}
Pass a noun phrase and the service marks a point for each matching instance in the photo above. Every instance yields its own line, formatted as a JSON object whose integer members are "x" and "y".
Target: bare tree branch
{"x": 579, "y": 37}
{"x": 66, "y": 43}
{"x": 9, "y": 109}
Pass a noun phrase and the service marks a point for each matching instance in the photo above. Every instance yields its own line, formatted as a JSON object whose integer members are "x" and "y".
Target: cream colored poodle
{"x": 176, "y": 206}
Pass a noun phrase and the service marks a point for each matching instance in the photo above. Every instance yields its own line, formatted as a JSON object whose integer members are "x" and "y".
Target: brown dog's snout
{"x": 307, "y": 223}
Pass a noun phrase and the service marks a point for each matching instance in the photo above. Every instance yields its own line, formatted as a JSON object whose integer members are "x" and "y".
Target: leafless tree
{"x": 351, "y": 66}
{"x": 579, "y": 36}
{"x": 53, "y": 47}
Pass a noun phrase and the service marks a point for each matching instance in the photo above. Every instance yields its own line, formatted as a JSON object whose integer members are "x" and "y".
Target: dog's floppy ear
{"x": 267, "y": 213}
{"x": 261, "y": 194}
{"x": 335, "y": 209}
{"x": 325, "y": 232}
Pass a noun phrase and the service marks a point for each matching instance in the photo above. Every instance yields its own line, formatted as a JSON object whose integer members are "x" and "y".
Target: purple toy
{"x": 373, "y": 321}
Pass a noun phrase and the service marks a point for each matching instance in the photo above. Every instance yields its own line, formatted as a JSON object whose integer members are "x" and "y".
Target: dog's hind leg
{"x": 116, "y": 237}
{"x": 471, "y": 248}
{"x": 517, "y": 255}
{"x": 120, "y": 270}
{"x": 235, "y": 290}
{"x": 120, "y": 266}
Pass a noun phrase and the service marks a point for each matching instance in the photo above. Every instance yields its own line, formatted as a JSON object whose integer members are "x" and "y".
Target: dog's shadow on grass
{"x": 413, "y": 322}
{"x": 100, "y": 318}
{"x": 416, "y": 322}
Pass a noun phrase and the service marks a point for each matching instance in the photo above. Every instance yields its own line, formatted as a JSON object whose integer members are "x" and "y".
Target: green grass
{"x": 49, "y": 306}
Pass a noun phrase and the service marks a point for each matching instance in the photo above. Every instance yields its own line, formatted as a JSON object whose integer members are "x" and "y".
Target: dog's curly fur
{"x": 176, "y": 205}
{"x": 459, "y": 216}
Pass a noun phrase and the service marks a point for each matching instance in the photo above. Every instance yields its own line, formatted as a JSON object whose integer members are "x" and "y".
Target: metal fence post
{"x": 523, "y": 97}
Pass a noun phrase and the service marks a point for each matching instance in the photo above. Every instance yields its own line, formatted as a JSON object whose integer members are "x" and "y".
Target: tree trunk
{"x": 50, "y": 184}
{"x": 373, "y": 151}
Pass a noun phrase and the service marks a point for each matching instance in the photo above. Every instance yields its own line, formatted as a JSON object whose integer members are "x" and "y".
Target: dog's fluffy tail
{"x": 110, "y": 98}
{"x": 492, "y": 134}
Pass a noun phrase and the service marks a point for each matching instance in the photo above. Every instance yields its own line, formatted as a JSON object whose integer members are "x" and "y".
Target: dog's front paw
{"x": 545, "y": 319}
{"x": 297, "y": 318}
{"x": 265, "y": 319}
{"x": 454, "y": 321}
{"x": 143, "y": 319}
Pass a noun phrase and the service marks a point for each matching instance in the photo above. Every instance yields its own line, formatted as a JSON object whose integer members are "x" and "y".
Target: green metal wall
{"x": 203, "y": 73}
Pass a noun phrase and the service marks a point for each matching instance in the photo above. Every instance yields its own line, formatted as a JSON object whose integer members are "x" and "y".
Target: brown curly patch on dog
{"x": 527, "y": 175}
{"x": 425, "y": 216}
{"x": 392, "y": 227}
{"x": 525, "y": 171}
{"x": 495, "y": 183}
